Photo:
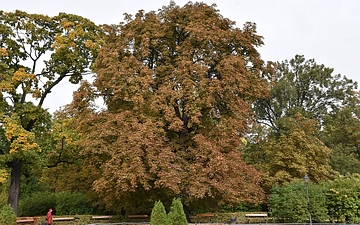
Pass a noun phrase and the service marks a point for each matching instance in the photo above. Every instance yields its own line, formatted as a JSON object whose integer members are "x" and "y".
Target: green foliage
{"x": 7, "y": 216}
{"x": 176, "y": 215}
{"x": 3, "y": 194}
{"x": 36, "y": 204}
{"x": 343, "y": 199}
{"x": 65, "y": 46}
{"x": 291, "y": 153}
{"x": 342, "y": 134}
{"x": 64, "y": 203}
{"x": 158, "y": 214}
{"x": 72, "y": 204}
{"x": 285, "y": 149}
{"x": 240, "y": 207}
{"x": 318, "y": 201}
{"x": 303, "y": 86}
{"x": 289, "y": 203}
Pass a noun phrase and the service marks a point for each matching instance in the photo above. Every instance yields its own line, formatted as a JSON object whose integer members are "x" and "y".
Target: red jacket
{"x": 49, "y": 217}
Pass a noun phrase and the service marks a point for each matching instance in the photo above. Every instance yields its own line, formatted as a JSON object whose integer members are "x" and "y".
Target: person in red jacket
{"x": 49, "y": 217}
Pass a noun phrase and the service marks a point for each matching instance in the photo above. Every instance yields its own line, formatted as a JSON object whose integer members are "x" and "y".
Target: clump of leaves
{"x": 7, "y": 216}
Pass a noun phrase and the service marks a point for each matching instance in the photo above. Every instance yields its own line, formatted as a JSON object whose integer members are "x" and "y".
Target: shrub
{"x": 36, "y": 204}
{"x": 3, "y": 195}
{"x": 289, "y": 203}
{"x": 343, "y": 199}
{"x": 176, "y": 215}
{"x": 64, "y": 203}
{"x": 158, "y": 214}
{"x": 72, "y": 204}
{"x": 7, "y": 216}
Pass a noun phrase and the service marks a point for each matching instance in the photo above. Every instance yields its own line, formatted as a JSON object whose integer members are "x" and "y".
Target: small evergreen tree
{"x": 176, "y": 215}
{"x": 7, "y": 216}
{"x": 158, "y": 214}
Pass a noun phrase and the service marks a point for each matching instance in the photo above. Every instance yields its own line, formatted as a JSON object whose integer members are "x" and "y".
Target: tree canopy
{"x": 303, "y": 86}
{"x": 36, "y": 53}
{"x": 297, "y": 124}
{"x": 178, "y": 85}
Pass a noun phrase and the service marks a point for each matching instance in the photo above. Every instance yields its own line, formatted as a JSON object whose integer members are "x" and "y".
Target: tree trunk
{"x": 15, "y": 185}
{"x": 187, "y": 212}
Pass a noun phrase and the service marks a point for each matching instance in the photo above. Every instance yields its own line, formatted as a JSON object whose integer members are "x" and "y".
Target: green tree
{"x": 342, "y": 134}
{"x": 36, "y": 53}
{"x": 303, "y": 86}
{"x": 289, "y": 202}
{"x": 158, "y": 214}
{"x": 178, "y": 87}
{"x": 286, "y": 143}
{"x": 296, "y": 151}
{"x": 176, "y": 215}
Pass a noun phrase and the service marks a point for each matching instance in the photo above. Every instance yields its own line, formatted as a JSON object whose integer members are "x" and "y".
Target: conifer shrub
{"x": 176, "y": 215}
{"x": 7, "y": 216}
{"x": 158, "y": 214}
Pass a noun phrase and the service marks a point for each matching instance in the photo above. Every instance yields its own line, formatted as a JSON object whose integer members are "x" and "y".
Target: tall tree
{"x": 296, "y": 151}
{"x": 287, "y": 141}
{"x": 342, "y": 134}
{"x": 178, "y": 87}
{"x": 303, "y": 86}
{"x": 36, "y": 53}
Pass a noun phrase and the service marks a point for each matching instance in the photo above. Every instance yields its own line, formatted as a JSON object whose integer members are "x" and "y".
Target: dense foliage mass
{"x": 178, "y": 88}
{"x": 7, "y": 216}
{"x": 336, "y": 201}
{"x": 297, "y": 130}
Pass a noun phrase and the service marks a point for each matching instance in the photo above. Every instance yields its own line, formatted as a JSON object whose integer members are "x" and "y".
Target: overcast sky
{"x": 325, "y": 30}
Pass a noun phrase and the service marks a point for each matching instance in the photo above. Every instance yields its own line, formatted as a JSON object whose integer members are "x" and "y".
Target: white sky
{"x": 326, "y": 30}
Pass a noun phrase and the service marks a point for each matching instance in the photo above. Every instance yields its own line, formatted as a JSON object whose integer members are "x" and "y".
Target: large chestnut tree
{"x": 177, "y": 85}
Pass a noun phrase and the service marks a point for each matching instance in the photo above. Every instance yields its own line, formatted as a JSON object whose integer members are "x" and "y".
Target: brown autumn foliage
{"x": 178, "y": 85}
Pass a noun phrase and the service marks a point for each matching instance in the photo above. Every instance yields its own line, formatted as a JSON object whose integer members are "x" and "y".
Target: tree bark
{"x": 187, "y": 213}
{"x": 13, "y": 199}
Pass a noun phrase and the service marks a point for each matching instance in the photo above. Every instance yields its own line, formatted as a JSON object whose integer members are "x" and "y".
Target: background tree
{"x": 36, "y": 53}
{"x": 178, "y": 87}
{"x": 342, "y": 134}
{"x": 287, "y": 141}
{"x": 303, "y": 86}
{"x": 296, "y": 151}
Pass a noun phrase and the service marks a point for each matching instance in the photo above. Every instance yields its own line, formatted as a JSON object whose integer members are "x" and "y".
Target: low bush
{"x": 36, "y": 204}
{"x": 7, "y": 216}
{"x": 64, "y": 203}
{"x": 72, "y": 204}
